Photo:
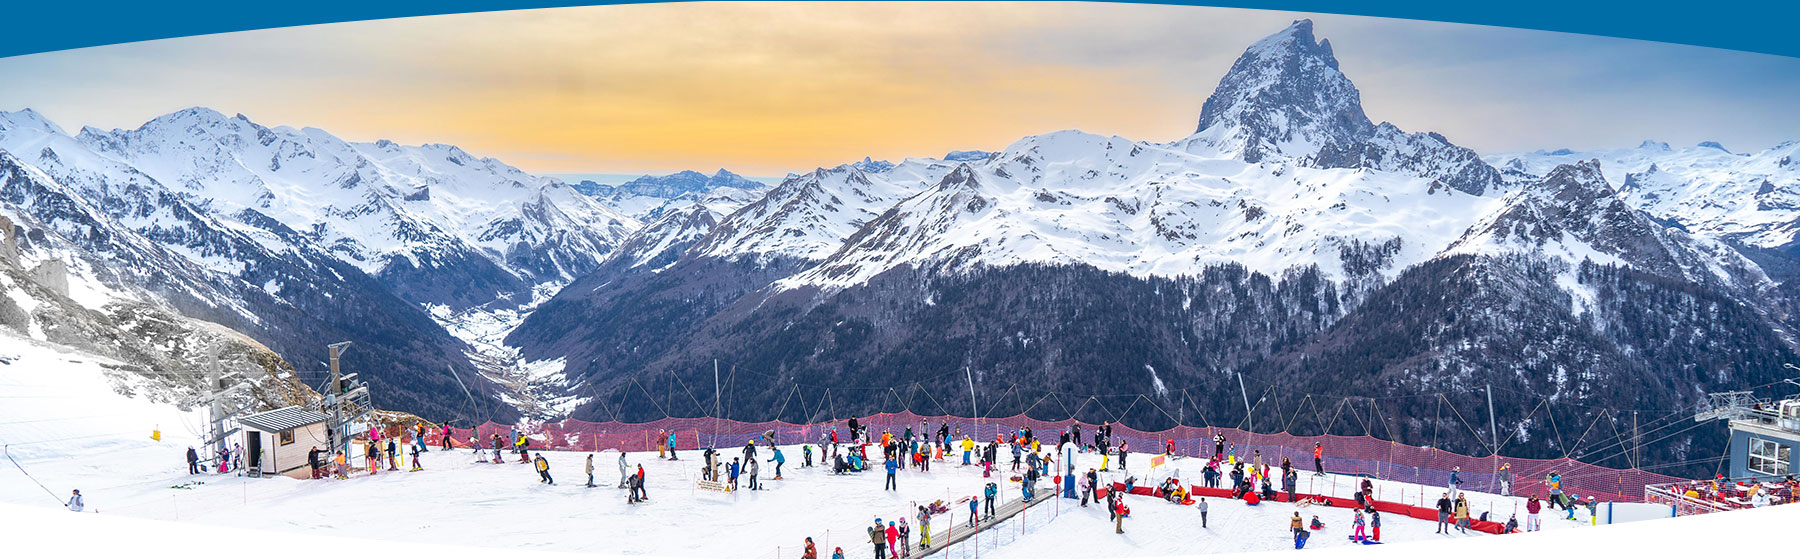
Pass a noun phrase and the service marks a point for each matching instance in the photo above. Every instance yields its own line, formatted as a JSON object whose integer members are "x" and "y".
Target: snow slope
{"x": 72, "y": 430}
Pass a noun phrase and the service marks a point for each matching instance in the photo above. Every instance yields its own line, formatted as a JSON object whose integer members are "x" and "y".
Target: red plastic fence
{"x": 1357, "y": 455}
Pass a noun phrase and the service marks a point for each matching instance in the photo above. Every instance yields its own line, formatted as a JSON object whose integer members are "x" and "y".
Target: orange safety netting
{"x": 1357, "y": 455}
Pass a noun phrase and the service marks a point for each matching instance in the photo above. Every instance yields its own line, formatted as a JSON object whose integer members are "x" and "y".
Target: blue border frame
{"x": 1762, "y": 26}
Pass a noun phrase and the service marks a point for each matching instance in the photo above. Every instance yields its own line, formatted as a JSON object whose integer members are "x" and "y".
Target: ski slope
{"x": 68, "y": 427}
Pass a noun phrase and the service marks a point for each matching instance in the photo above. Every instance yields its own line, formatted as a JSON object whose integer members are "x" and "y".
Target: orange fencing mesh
{"x": 1357, "y": 455}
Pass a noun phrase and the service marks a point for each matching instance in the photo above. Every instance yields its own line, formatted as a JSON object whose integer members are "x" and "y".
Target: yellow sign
{"x": 156, "y": 435}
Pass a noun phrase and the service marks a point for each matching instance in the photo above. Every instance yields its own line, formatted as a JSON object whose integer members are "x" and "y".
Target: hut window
{"x": 287, "y": 437}
{"x": 1768, "y": 457}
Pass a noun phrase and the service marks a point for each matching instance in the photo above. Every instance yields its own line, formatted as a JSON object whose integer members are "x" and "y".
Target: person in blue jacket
{"x": 992, "y": 491}
{"x": 672, "y": 447}
{"x": 1455, "y": 480}
{"x": 974, "y": 510}
{"x": 891, "y": 467}
{"x": 779, "y": 460}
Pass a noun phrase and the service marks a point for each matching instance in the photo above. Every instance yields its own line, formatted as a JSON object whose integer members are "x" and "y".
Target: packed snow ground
{"x": 67, "y": 426}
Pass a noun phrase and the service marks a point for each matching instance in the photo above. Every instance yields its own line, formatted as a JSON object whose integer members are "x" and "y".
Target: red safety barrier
{"x": 1357, "y": 455}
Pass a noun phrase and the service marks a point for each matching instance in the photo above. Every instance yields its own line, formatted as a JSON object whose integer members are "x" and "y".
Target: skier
{"x": 1455, "y": 481}
{"x": 890, "y": 484}
{"x": 736, "y": 468}
{"x": 416, "y": 450}
{"x": 639, "y": 486}
{"x": 805, "y": 459}
{"x": 749, "y": 450}
{"x": 662, "y": 447}
{"x": 991, "y": 492}
{"x": 1123, "y": 449}
{"x": 543, "y": 469}
{"x": 974, "y": 510}
{"x": 193, "y": 459}
{"x": 1318, "y": 459}
{"x": 905, "y": 536}
{"x": 590, "y": 470}
{"x": 968, "y": 447}
{"x": 924, "y": 527}
{"x": 779, "y": 461}
{"x": 497, "y": 446}
{"x": 237, "y": 457}
{"x": 524, "y": 446}
{"x": 750, "y": 472}
{"x": 624, "y": 472}
{"x": 672, "y": 447}
{"x": 75, "y": 502}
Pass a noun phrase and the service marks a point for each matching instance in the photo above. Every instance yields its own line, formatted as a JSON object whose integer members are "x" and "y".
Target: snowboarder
{"x": 877, "y": 534}
{"x": 543, "y": 469}
{"x": 75, "y": 502}
{"x": 672, "y": 456}
{"x": 1358, "y": 527}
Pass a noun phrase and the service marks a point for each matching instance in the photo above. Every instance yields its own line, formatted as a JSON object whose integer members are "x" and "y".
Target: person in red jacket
{"x": 1119, "y": 511}
{"x": 893, "y": 534}
{"x": 810, "y": 551}
{"x": 1318, "y": 459}
{"x": 1532, "y": 507}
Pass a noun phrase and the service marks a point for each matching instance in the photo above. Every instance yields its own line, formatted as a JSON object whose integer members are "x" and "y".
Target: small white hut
{"x": 277, "y": 441}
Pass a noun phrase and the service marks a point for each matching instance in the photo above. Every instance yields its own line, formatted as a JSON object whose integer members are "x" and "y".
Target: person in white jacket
{"x": 75, "y": 503}
{"x": 624, "y": 472}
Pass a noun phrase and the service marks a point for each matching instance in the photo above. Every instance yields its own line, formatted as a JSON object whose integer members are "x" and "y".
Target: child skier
{"x": 543, "y": 469}
{"x": 974, "y": 508}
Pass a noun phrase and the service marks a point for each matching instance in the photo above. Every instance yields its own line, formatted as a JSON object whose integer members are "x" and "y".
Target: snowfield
{"x": 65, "y": 424}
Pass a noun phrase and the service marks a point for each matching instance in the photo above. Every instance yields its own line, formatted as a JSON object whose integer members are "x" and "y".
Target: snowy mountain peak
{"x": 1284, "y": 95}
{"x": 27, "y": 119}
{"x": 1654, "y": 145}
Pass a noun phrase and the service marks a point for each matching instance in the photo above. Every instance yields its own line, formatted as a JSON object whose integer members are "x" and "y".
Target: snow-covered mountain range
{"x": 1288, "y": 228}
{"x": 1259, "y": 235}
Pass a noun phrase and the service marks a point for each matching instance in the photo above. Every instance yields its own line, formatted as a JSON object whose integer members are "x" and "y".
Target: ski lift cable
{"x": 7, "y": 449}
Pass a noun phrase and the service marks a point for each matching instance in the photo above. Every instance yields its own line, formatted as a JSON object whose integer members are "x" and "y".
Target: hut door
{"x": 253, "y": 455}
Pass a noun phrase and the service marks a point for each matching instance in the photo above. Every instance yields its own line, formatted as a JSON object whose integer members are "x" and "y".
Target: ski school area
{"x": 79, "y": 433}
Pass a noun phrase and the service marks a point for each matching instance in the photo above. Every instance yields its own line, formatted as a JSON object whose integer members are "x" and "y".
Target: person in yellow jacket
{"x": 968, "y": 447}
{"x": 521, "y": 445}
{"x": 543, "y": 469}
{"x": 342, "y": 470}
